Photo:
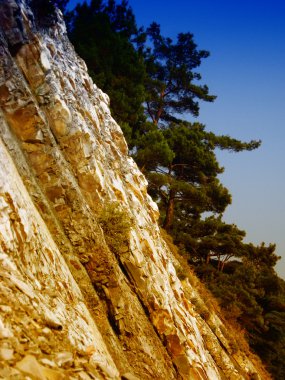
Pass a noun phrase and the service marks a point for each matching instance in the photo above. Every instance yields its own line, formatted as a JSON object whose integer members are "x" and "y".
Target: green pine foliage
{"x": 251, "y": 294}
{"x": 180, "y": 163}
{"x": 103, "y": 34}
{"x": 154, "y": 85}
{"x": 171, "y": 82}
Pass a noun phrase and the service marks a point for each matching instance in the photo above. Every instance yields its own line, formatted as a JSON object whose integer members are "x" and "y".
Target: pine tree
{"x": 103, "y": 34}
{"x": 171, "y": 81}
{"x": 180, "y": 162}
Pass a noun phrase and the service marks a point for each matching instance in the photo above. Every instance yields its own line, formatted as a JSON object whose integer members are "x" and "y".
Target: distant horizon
{"x": 246, "y": 71}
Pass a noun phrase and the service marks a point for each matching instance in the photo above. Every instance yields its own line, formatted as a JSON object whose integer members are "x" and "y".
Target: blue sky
{"x": 246, "y": 70}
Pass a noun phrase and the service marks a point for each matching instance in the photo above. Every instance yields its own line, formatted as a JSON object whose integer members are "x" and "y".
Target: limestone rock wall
{"x": 71, "y": 307}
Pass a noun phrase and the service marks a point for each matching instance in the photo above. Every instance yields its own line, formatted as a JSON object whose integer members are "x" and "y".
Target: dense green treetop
{"x": 103, "y": 34}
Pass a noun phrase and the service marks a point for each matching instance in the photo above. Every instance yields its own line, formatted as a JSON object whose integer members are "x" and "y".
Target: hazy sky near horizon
{"x": 246, "y": 70}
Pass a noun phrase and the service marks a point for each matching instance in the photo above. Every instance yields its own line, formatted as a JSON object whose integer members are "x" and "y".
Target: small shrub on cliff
{"x": 116, "y": 224}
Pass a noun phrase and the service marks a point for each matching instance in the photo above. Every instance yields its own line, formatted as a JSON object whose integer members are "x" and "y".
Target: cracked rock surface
{"x": 71, "y": 307}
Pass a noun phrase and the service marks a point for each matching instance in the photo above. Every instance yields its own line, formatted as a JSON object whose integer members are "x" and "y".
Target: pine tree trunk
{"x": 169, "y": 211}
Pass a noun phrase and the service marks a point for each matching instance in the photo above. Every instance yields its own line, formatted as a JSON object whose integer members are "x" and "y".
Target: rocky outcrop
{"x": 71, "y": 305}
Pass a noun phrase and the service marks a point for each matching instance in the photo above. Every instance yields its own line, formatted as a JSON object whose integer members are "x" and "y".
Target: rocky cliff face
{"x": 72, "y": 307}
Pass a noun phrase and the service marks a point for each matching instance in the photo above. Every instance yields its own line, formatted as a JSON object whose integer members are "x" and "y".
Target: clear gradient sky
{"x": 246, "y": 70}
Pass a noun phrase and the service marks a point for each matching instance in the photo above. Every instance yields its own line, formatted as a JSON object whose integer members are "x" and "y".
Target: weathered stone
{"x": 64, "y": 359}
{"x": 47, "y": 362}
{"x": 4, "y": 94}
{"x": 174, "y": 345}
{"x": 5, "y": 308}
{"x": 25, "y": 123}
{"x": 46, "y": 330}
{"x": 28, "y": 58}
{"x": 62, "y": 160}
{"x": 129, "y": 376}
{"x": 6, "y": 353}
{"x": 60, "y": 117}
{"x": 8, "y": 373}
{"x": 5, "y": 332}
{"x": 12, "y": 24}
{"x": 83, "y": 376}
{"x": 30, "y": 366}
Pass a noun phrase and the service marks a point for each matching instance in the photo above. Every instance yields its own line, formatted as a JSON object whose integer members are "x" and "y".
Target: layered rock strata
{"x": 71, "y": 306}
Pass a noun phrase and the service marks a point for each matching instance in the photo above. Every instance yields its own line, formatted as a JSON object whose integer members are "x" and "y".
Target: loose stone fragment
{"x": 64, "y": 359}
{"x": 6, "y": 353}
